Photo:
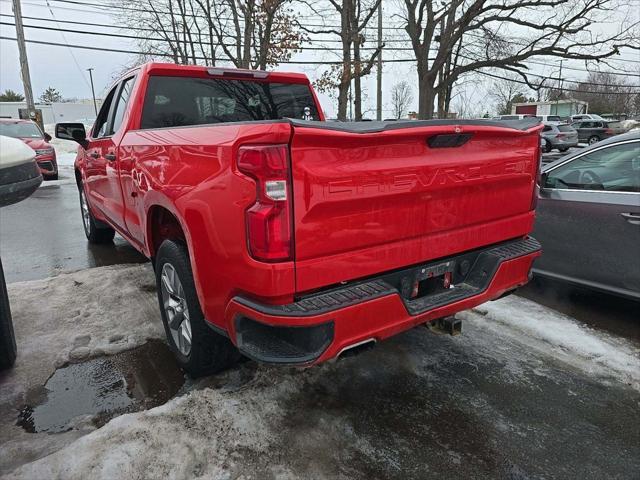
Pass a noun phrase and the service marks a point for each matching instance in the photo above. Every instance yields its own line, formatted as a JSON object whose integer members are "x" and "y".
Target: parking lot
{"x": 544, "y": 384}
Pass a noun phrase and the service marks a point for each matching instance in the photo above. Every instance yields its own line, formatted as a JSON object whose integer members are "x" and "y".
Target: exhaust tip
{"x": 357, "y": 348}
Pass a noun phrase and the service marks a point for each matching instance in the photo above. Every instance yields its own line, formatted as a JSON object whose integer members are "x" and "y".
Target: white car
{"x": 586, "y": 116}
{"x": 19, "y": 178}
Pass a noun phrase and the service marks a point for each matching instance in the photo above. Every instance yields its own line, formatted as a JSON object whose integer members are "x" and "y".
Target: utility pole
{"x": 379, "y": 72}
{"x": 24, "y": 63}
{"x": 93, "y": 93}
{"x": 560, "y": 92}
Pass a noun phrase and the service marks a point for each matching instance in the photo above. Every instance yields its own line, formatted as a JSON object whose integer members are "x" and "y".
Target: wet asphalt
{"x": 42, "y": 236}
{"x": 427, "y": 406}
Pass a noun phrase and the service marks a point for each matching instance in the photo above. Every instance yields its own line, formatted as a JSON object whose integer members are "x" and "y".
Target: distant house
{"x": 562, "y": 108}
{"x": 53, "y": 112}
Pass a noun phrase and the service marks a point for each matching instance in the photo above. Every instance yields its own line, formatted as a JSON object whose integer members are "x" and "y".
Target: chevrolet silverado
{"x": 290, "y": 239}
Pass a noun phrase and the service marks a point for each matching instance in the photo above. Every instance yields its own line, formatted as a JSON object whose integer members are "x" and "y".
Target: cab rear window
{"x": 181, "y": 101}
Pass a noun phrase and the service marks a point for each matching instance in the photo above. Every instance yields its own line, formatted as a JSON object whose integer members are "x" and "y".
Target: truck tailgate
{"x": 372, "y": 197}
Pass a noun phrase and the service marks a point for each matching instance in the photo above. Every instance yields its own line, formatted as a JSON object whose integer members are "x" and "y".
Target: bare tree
{"x": 503, "y": 91}
{"x": 354, "y": 18}
{"x": 401, "y": 98}
{"x": 454, "y": 37}
{"x": 607, "y": 94}
{"x": 247, "y": 33}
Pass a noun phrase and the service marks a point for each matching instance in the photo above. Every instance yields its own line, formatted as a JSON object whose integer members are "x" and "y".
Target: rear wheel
{"x": 594, "y": 139}
{"x": 563, "y": 149}
{"x": 95, "y": 232}
{"x": 7, "y": 337}
{"x": 198, "y": 349}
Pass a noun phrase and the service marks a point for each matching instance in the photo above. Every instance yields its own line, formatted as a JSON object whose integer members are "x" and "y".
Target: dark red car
{"x": 29, "y": 132}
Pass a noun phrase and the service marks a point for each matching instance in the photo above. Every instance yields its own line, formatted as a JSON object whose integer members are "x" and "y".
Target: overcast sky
{"x": 65, "y": 68}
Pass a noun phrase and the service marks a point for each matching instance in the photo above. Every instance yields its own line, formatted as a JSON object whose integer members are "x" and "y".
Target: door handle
{"x": 110, "y": 156}
{"x": 95, "y": 154}
{"x": 632, "y": 218}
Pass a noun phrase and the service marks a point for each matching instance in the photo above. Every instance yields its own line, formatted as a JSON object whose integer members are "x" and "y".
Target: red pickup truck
{"x": 290, "y": 239}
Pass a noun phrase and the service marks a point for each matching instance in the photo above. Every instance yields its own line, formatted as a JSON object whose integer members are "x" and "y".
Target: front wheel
{"x": 198, "y": 349}
{"x": 95, "y": 233}
{"x": 7, "y": 337}
{"x": 547, "y": 146}
{"x": 594, "y": 139}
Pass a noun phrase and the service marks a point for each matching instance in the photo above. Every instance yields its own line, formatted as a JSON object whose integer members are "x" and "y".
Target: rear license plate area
{"x": 430, "y": 280}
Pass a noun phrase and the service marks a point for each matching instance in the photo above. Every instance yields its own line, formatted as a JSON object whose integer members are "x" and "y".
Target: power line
{"x": 290, "y": 62}
{"x": 145, "y": 29}
{"x": 522, "y": 82}
{"x": 75, "y": 60}
{"x": 122, "y": 8}
{"x": 160, "y": 39}
{"x": 83, "y": 32}
{"x": 319, "y": 40}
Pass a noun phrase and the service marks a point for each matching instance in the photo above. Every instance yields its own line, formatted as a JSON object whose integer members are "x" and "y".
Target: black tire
{"x": 96, "y": 231}
{"x": 547, "y": 146}
{"x": 209, "y": 352}
{"x": 53, "y": 176}
{"x": 563, "y": 149}
{"x": 7, "y": 337}
{"x": 593, "y": 139}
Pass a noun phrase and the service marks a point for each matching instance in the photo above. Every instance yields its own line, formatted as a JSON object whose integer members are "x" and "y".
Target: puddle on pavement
{"x": 103, "y": 388}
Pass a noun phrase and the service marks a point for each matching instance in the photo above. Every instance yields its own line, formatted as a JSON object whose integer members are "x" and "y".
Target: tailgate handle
{"x": 448, "y": 140}
{"x": 632, "y": 218}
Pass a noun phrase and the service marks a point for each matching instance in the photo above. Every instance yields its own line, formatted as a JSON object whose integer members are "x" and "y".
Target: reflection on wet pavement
{"x": 103, "y": 388}
{"x": 43, "y": 236}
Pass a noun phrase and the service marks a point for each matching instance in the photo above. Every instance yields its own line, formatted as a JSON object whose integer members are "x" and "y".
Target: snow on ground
{"x": 229, "y": 425}
{"x": 199, "y": 435}
{"x": 560, "y": 337}
{"x": 65, "y": 318}
{"x": 79, "y": 315}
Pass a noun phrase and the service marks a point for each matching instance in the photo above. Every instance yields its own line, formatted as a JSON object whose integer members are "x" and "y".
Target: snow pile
{"x": 561, "y": 337}
{"x": 79, "y": 315}
{"x": 209, "y": 433}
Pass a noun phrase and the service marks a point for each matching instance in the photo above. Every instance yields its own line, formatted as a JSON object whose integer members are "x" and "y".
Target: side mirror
{"x": 72, "y": 131}
{"x": 543, "y": 180}
{"x": 47, "y": 137}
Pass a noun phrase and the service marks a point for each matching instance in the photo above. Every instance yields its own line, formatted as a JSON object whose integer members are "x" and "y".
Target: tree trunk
{"x": 357, "y": 103}
{"x": 426, "y": 97}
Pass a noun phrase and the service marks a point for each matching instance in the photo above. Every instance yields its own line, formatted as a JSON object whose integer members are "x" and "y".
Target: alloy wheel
{"x": 176, "y": 309}
{"x": 84, "y": 209}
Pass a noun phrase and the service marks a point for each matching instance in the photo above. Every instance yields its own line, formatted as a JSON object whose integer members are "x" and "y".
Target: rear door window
{"x": 121, "y": 105}
{"x": 565, "y": 128}
{"x": 614, "y": 169}
{"x": 181, "y": 101}
{"x": 100, "y": 127}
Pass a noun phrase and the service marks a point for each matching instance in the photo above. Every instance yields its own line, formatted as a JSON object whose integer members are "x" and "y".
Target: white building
{"x": 53, "y": 112}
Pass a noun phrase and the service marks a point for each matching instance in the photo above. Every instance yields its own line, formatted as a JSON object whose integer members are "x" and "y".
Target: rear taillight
{"x": 269, "y": 218}
{"x": 609, "y": 131}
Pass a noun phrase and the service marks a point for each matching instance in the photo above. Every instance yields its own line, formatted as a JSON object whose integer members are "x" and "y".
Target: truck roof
{"x": 160, "y": 68}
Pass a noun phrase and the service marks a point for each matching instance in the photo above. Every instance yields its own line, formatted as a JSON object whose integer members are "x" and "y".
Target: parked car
{"x": 515, "y": 117}
{"x": 29, "y": 132}
{"x": 297, "y": 240}
{"x": 551, "y": 119}
{"x": 586, "y": 116}
{"x": 593, "y": 131}
{"x": 588, "y": 217}
{"x": 19, "y": 178}
{"x": 560, "y": 136}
